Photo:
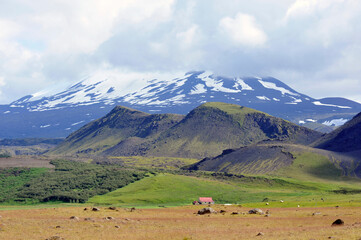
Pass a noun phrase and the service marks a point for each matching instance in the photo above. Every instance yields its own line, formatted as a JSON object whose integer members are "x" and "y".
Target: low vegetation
{"x": 13, "y": 179}
{"x": 68, "y": 182}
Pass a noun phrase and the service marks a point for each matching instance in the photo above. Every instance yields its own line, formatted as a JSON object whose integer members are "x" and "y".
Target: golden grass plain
{"x": 180, "y": 223}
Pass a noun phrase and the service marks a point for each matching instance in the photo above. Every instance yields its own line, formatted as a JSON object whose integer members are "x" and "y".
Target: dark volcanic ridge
{"x": 270, "y": 158}
{"x": 205, "y": 131}
{"x": 346, "y": 138}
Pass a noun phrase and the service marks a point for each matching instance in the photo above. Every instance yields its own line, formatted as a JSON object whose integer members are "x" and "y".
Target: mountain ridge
{"x": 205, "y": 131}
{"x": 57, "y": 115}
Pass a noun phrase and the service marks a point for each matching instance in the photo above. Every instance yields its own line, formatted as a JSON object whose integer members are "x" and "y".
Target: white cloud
{"x": 310, "y": 44}
{"x": 302, "y": 8}
{"x": 81, "y": 26}
{"x": 243, "y": 30}
{"x": 188, "y": 37}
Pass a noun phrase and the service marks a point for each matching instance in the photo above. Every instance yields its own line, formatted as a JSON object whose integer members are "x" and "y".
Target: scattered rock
{"x": 206, "y": 210}
{"x": 281, "y": 201}
{"x": 298, "y": 205}
{"x": 117, "y": 226}
{"x": 132, "y": 209}
{"x": 74, "y": 218}
{"x": 89, "y": 219}
{"x": 255, "y": 211}
{"x": 127, "y": 219}
{"x": 316, "y": 213}
{"x": 337, "y": 206}
{"x": 112, "y": 208}
{"x": 57, "y": 227}
{"x": 222, "y": 211}
{"x": 55, "y": 238}
{"x": 109, "y": 218}
{"x": 85, "y": 209}
{"x": 234, "y": 213}
{"x": 267, "y": 215}
{"x": 338, "y": 222}
{"x": 95, "y": 209}
{"x": 267, "y": 211}
{"x": 260, "y": 234}
{"x": 267, "y": 204}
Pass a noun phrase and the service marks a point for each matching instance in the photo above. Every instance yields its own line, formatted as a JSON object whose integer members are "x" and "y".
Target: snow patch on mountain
{"x": 335, "y": 122}
{"x": 77, "y": 123}
{"x": 243, "y": 85}
{"x": 318, "y": 103}
{"x": 214, "y": 84}
{"x": 271, "y": 85}
{"x": 263, "y": 98}
{"x": 198, "y": 89}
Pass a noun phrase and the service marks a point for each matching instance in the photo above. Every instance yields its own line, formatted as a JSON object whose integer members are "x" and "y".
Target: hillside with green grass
{"x": 120, "y": 124}
{"x": 173, "y": 190}
{"x": 212, "y": 127}
{"x": 205, "y": 131}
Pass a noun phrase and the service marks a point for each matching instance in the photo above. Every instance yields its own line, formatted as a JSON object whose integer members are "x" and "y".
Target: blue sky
{"x": 312, "y": 45}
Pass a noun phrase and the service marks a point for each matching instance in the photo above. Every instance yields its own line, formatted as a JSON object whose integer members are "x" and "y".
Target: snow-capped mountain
{"x": 57, "y": 115}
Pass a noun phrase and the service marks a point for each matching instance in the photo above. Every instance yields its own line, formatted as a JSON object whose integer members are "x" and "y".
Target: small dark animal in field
{"x": 206, "y": 210}
{"x": 132, "y": 209}
{"x": 55, "y": 238}
{"x": 255, "y": 211}
{"x": 338, "y": 222}
{"x": 95, "y": 209}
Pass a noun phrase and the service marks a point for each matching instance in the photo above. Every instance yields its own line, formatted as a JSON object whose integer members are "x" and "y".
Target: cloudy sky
{"x": 312, "y": 45}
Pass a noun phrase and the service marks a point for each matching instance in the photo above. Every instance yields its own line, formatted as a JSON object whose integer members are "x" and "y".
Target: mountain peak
{"x": 56, "y": 115}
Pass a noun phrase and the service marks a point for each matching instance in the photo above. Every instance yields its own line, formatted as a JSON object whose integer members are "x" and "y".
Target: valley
{"x": 159, "y": 164}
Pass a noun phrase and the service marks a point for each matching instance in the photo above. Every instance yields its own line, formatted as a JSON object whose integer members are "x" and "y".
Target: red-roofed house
{"x": 205, "y": 200}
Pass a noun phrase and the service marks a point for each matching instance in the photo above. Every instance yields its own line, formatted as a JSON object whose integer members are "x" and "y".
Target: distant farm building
{"x": 204, "y": 200}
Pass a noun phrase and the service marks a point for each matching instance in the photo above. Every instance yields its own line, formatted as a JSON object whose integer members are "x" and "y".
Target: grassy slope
{"x": 178, "y": 190}
{"x": 309, "y": 178}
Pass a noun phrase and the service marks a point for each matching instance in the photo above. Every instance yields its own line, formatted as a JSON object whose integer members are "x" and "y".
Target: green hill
{"x": 344, "y": 139}
{"x": 172, "y": 190}
{"x": 205, "y": 131}
{"x": 120, "y": 124}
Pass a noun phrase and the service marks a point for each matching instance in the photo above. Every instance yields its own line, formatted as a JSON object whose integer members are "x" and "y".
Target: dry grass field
{"x": 180, "y": 223}
{"x": 25, "y": 161}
